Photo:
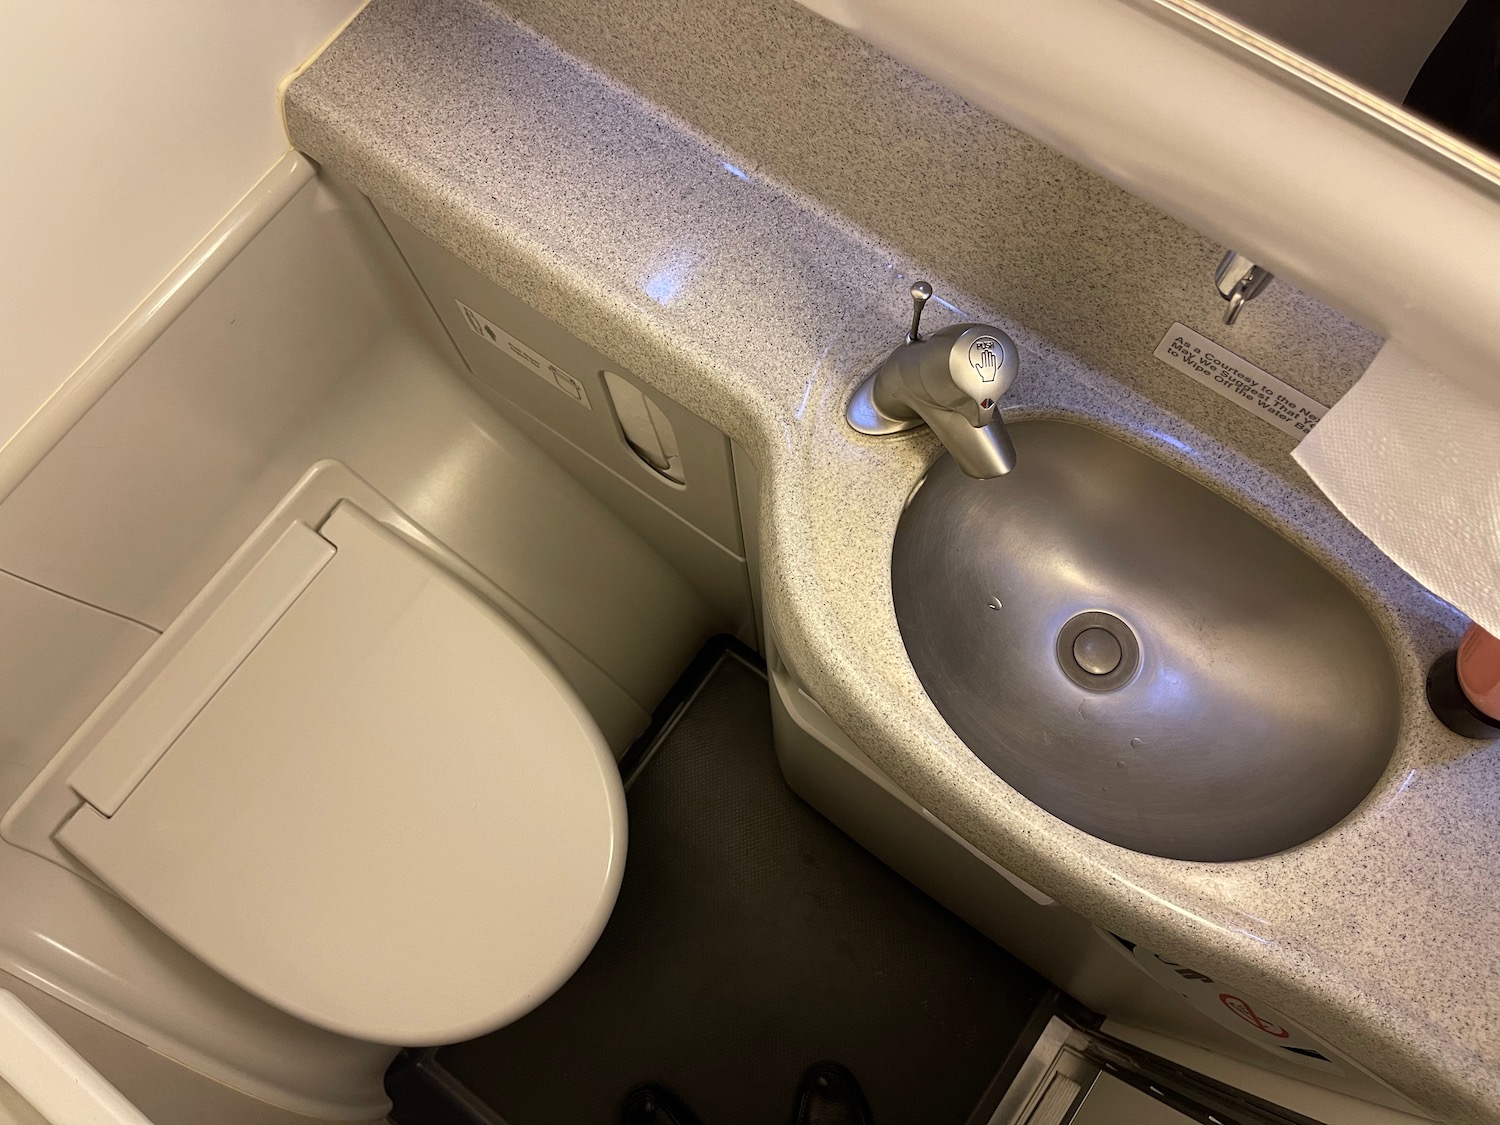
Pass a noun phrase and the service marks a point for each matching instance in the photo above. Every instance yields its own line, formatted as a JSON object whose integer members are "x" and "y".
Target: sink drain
{"x": 1098, "y": 651}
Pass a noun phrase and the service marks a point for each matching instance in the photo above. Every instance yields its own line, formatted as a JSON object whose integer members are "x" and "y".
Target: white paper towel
{"x": 1414, "y": 462}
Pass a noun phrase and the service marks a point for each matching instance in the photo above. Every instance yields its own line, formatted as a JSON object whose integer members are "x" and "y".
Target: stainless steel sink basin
{"x": 1139, "y": 656}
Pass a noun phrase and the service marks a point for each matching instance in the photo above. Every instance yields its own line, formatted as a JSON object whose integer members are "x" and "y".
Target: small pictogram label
{"x": 537, "y": 364}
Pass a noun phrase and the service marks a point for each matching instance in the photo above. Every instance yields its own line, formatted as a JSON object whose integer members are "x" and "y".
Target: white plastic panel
{"x": 316, "y": 343}
{"x": 1347, "y": 1102}
{"x": 59, "y": 658}
{"x": 702, "y": 491}
{"x": 55, "y": 1085}
{"x": 168, "y": 702}
{"x": 150, "y": 120}
{"x": 145, "y": 498}
{"x": 185, "y": 1045}
{"x": 391, "y": 731}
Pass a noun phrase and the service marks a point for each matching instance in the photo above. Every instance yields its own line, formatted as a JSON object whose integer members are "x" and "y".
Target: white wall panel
{"x": 58, "y": 659}
{"x": 129, "y": 130}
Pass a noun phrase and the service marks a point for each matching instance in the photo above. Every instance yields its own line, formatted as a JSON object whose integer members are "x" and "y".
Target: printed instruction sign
{"x": 1239, "y": 380}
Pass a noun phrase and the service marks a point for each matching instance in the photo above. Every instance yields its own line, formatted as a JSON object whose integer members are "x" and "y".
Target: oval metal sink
{"x": 1137, "y": 655}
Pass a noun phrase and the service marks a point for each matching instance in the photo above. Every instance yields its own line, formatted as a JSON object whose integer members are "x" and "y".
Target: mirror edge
{"x": 1416, "y": 134}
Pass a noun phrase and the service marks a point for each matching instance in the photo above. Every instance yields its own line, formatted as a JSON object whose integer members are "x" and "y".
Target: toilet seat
{"x": 359, "y": 792}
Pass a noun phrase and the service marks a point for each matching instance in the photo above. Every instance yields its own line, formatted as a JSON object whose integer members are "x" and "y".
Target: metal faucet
{"x": 951, "y": 381}
{"x": 1239, "y": 280}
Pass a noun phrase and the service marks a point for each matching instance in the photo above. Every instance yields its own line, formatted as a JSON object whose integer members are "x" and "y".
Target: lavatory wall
{"x": 982, "y": 206}
{"x": 315, "y": 342}
{"x": 129, "y": 131}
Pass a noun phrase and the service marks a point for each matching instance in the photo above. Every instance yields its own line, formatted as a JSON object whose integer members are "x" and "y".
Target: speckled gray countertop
{"x": 760, "y": 311}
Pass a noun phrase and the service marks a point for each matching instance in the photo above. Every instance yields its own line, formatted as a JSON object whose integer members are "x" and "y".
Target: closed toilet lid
{"x": 362, "y": 794}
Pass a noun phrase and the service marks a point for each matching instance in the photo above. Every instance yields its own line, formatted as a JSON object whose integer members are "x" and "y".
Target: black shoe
{"x": 655, "y": 1105}
{"x": 829, "y": 1095}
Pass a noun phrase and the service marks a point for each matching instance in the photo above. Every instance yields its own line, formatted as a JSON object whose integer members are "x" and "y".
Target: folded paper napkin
{"x": 1414, "y": 461}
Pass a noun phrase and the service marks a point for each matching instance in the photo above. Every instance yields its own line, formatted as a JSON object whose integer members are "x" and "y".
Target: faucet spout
{"x": 951, "y": 381}
{"x": 980, "y": 451}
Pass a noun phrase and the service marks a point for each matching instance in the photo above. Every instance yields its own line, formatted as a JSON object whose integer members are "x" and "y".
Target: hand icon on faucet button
{"x": 983, "y": 358}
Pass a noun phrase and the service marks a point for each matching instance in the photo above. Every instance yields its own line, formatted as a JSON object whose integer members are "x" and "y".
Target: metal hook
{"x": 1239, "y": 280}
{"x": 1236, "y": 303}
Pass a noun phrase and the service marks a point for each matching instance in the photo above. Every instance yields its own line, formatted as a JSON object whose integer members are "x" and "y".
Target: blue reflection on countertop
{"x": 669, "y": 274}
{"x": 1174, "y": 442}
{"x": 733, "y": 170}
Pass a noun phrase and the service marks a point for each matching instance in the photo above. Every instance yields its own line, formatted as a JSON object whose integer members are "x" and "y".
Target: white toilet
{"x": 350, "y": 785}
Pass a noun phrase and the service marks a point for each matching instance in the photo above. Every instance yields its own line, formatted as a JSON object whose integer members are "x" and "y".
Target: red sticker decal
{"x": 1247, "y": 1013}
